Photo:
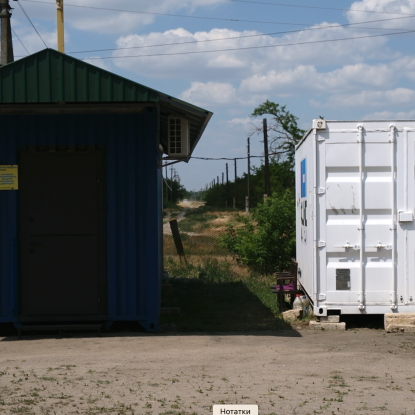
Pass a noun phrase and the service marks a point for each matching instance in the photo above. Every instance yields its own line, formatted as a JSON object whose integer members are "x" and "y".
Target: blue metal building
{"x": 81, "y": 237}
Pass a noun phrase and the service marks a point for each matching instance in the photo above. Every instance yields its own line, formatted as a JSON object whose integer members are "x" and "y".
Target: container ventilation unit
{"x": 178, "y": 137}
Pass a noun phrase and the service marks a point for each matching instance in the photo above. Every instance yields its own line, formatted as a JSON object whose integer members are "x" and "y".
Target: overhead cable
{"x": 178, "y": 15}
{"x": 18, "y": 38}
{"x": 245, "y": 36}
{"x": 316, "y": 7}
{"x": 28, "y": 18}
{"x": 256, "y": 47}
{"x": 225, "y": 158}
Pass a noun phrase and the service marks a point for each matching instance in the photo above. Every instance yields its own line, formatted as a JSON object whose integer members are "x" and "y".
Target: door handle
{"x": 348, "y": 246}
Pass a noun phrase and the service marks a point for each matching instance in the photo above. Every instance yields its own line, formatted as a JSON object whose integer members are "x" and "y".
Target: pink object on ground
{"x": 287, "y": 287}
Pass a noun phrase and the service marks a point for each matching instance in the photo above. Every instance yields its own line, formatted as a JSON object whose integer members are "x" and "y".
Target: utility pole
{"x": 249, "y": 175}
{"x": 7, "y": 55}
{"x": 227, "y": 183}
{"x": 236, "y": 176}
{"x": 171, "y": 183}
{"x": 266, "y": 161}
{"x": 61, "y": 26}
{"x": 167, "y": 188}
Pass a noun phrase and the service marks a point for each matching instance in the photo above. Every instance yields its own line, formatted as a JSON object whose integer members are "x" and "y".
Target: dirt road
{"x": 291, "y": 372}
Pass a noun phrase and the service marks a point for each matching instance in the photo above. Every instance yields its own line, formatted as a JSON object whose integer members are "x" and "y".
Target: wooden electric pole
{"x": 266, "y": 161}
{"x": 227, "y": 183}
{"x": 61, "y": 26}
{"x": 7, "y": 55}
{"x": 247, "y": 203}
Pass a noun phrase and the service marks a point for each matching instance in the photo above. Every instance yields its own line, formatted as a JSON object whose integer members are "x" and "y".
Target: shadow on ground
{"x": 217, "y": 307}
{"x": 367, "y": 321}
{"x": 206, "y": 307}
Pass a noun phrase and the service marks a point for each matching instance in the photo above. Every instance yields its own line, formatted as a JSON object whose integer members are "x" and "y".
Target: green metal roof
{"x": 49, "y": 77}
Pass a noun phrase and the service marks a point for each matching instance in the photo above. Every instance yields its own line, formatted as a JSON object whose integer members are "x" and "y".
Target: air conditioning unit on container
{"x": 178, "y": 137}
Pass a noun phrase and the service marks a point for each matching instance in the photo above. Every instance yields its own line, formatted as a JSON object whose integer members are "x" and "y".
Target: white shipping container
{"x": 355, "y": 200}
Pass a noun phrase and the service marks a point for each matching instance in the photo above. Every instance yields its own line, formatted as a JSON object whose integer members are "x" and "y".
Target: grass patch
{"x": 216, "y": 295}
{"x": 197, "y": 220}
{"x": 203, "y": 245}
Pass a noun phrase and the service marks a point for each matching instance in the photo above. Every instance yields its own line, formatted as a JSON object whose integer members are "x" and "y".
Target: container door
{"x": 62, "y": 233}
{"x": 356, "y": 209}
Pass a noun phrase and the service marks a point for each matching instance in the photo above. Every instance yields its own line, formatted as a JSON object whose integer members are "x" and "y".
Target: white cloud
{"x": 257, "y": 52}
{"x": 210, "y": 93}
{"x": 398, "y": 96}
{"x": 390, "y": 115}
{"x": 398, "y": 20}
{"x": 306, "y": 79}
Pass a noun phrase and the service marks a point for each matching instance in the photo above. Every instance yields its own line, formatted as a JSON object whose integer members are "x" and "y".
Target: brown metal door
{"x": 62, "y": 233}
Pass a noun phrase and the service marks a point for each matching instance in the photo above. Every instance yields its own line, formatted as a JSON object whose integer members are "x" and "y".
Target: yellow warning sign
{"x": 8, "y": 178}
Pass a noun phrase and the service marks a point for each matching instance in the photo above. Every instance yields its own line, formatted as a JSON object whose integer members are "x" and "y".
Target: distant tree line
{"x": 281, "y": 175}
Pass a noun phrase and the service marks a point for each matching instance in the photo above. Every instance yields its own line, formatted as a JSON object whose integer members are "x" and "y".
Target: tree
{"x": 286, "y": 133}
{"x": 175, "y": 191}
{"x": 265, "y": 242}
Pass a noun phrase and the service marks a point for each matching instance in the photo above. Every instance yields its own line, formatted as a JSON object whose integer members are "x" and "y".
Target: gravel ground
{"x": 362, "y": 371}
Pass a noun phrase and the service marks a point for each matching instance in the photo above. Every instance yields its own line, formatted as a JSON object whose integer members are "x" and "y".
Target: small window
{"x": 343, "y": 279}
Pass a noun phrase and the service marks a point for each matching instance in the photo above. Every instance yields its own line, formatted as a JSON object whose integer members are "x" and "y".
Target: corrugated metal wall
{"x": 133, "y": 205}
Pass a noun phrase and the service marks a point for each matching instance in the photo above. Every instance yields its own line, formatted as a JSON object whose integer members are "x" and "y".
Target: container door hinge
{"x": 320, "y": 191}
{"x": 394, "y": 301}
{"x": 320, "y": 138}
{"x": 322, "y": 297}
{"x": 321, "y": 244}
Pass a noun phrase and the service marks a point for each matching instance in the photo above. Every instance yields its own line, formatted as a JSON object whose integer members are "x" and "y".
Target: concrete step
{"x": 320, "y": 325}
{"x": 400, "y": 322}
{"x": 330, "y": 319}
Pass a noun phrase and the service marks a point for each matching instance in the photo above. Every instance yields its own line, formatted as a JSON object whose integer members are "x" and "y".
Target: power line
{"x": 317, "y": 7}
{"x": 247, "y": 36}
{"x": 225, "y": 158}
{"x": 163, "y": 14}
{"x": 18, "y": 38}
{"x": 28, "y": 18}
{"x": 193, "y": 17}
{"x": 255, "y": 47}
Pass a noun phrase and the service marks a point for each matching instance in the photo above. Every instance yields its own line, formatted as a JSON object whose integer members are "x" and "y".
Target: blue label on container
{"x": 303, "y": 178}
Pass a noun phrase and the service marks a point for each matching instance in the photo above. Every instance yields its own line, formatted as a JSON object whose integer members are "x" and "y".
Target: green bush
{"x": 265, "y": 241}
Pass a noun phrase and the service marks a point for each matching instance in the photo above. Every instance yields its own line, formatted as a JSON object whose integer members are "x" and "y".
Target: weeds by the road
{"x": 213, "y": 291}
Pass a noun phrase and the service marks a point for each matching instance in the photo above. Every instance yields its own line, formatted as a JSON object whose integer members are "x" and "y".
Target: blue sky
{"x": 366, "y": 78}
